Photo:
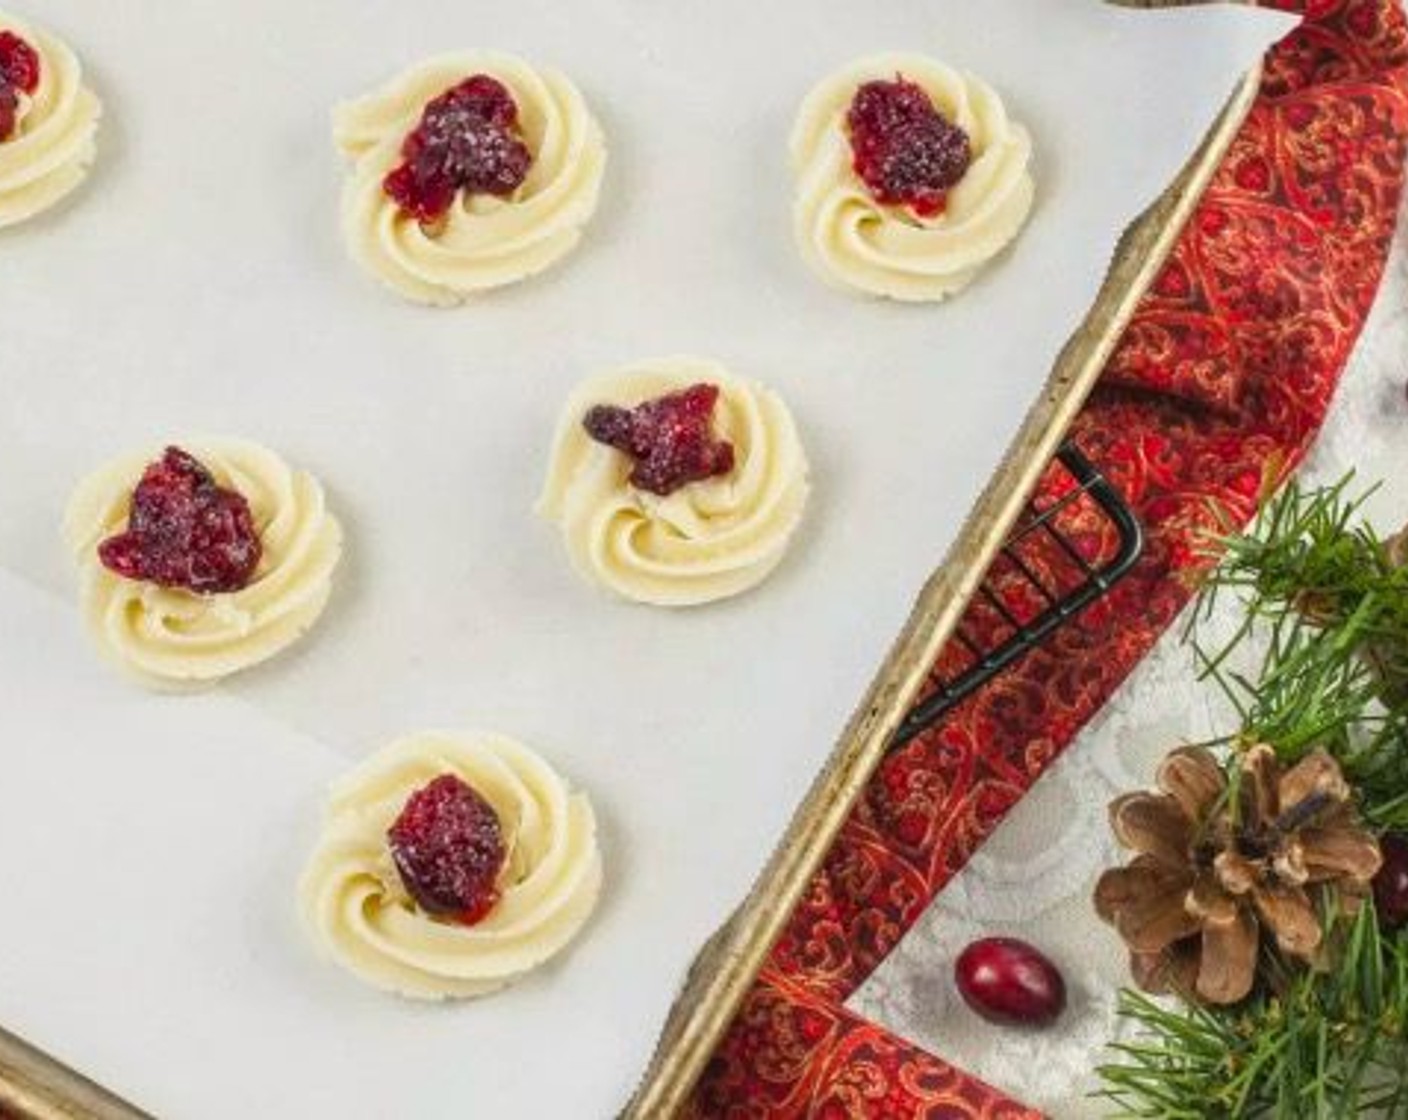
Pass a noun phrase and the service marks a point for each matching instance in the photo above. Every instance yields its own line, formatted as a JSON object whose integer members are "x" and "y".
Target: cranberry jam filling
{"x": 185, "y": 531}
{"x": 467, "y": 140}
{"x": 19, "y": 73}
{"x": 670, "y": 438}
{"x": 904, "y": 150}
{"x": 448, "y": 847}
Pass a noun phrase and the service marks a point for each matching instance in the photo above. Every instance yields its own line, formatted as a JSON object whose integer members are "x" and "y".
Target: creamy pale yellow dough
{"x": 53, "y": 145}
{"x": 854, "y": 242}
{"x": 173, "y": 638}
{"x": 356, "y": 909}
{"x": 710, "y": 539}
{"x": 484, "y": 242}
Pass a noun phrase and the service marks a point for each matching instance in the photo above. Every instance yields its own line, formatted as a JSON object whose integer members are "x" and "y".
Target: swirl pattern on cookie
{"x": 853, "y": 241}
{"x": 483, "y": 241}
{"x": 47, "y": 152}
{"x": 708, "y": 541}
{"x": 172, "y": 638}
{"x": 356, "y": 909}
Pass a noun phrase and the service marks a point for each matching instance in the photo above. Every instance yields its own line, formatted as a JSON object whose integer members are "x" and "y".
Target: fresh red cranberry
{"x": 904, "y": 150}
{"x": 1011, "y": 983}
{"x": 671, "y": 438}
{"x": 448, "y": 846}
{"x": 1391, "y": 884}
{"x": 19, "y": 73}
{"x": 185, "y": 531}
{"x": 467, "y": 140}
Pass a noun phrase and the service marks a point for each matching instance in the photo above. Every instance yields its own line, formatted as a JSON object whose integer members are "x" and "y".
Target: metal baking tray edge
{"x": 725, "y": 969}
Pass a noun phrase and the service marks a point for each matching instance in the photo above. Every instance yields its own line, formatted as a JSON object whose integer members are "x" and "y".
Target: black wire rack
{"x": 1026, "y": 605}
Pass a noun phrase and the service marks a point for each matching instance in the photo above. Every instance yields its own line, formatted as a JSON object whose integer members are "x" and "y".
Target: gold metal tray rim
{"x": 726, "y": 968}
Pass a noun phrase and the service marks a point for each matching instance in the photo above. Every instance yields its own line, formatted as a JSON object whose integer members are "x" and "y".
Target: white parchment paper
{"x": 198, "y": 284}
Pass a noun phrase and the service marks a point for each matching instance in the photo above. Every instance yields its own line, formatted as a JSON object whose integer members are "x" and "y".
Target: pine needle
{"x": 1326, "y": 614}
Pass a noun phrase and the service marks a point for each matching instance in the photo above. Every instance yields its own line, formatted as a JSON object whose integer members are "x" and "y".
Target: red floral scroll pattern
{"x": 1217, "y": 388}
{"x": 808, "y": 1056}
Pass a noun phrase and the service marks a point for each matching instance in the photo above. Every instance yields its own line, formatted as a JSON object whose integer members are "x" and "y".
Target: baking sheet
{"x": 198, "y": 284}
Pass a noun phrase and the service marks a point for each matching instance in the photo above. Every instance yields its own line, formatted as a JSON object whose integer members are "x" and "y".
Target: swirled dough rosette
{"x": 172, "y": 638}
{"x": 855, "y": 242}
{"x": 484, "y": 242}
{"x": 707, "y": 541}
{"x": 357, "y": 910}
{"x": 52, "y": 145}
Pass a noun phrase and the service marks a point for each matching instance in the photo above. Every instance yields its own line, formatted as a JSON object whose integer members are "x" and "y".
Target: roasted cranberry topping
{"x": 19, "y": 63}
{"x": 467, "y": 140}
{"x": 904, "y": 150}
{"x": 185, "y": 531}
{"x": 19, "y": 73}
{"x": 671, "y": 438}
{"x": 448, "y": 846}
{"x": 9, "y": 111}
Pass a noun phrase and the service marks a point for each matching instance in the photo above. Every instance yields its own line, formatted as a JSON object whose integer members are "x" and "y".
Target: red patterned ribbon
{"x": 1224, "y": 377}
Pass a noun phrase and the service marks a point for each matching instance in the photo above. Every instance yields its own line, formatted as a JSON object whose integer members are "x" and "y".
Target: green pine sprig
{"x": 1328, "y": 1047}
{"x": 1312, "y": 557}
{"x": 1314, "y": 585}
{"x": 1324, "y": 622}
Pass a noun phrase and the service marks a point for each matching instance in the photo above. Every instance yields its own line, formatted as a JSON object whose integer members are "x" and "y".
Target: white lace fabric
{"x": 1034, "y": 879}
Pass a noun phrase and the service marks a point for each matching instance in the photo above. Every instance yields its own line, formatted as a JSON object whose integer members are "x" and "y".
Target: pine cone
{"x": 1397, "y": 549}
{"x": 1217, "y": 872}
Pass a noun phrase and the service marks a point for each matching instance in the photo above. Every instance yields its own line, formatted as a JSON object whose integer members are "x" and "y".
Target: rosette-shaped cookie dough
{"x": 48, "y": 119}
{"x": 706, "y": 541}
{"x": 855, "y": 241}
{"x": 482, "y": 240}
{"x": 173, "y": 638}
{"x": 357, "y": 909}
